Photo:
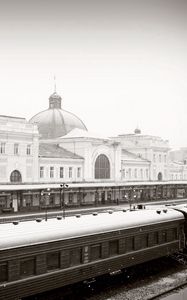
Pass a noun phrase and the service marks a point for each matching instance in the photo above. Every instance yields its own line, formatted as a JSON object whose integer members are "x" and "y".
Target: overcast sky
{"x": 118, "y": 64}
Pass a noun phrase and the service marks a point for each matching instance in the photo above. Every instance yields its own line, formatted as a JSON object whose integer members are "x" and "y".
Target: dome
{"x": 54, "y": 121}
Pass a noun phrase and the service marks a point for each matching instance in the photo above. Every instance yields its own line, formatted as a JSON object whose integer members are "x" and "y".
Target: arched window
{"x": 102, "y": 167}
{"x": 15, "y": 176}
{"x": 159, "y": 176}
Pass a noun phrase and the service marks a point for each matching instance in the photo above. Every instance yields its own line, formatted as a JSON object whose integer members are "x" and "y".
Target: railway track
{"x": 168, "y": 292}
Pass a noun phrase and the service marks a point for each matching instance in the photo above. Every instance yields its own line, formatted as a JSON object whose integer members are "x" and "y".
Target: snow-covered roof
{"x": 126, "y": 155}
{"x": 79, "y": 133}
{"x": 32, "y": 232}
{"x": 55, "y": 151}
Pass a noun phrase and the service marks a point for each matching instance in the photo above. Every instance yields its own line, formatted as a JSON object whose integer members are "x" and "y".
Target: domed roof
{"x": 54, "y": 121}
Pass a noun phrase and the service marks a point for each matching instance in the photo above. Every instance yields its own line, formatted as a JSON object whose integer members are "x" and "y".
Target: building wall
{"x": 135, "y": 171}
{"x": 73, "y": 170}
{"x": 18, "y": 149}
{"x": 90, "y": 149}
{"x": 151, "y": 148}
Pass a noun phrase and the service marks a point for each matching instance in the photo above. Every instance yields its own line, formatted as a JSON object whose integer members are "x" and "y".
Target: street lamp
{"x": 46, "y": 194}
{"x": 133, "y": 196}
{"x": 63, "y": 186}
{"x": 127, "y": 198}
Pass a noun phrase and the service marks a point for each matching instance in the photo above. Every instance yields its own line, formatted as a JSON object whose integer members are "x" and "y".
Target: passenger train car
{"x": 37, "y": 256}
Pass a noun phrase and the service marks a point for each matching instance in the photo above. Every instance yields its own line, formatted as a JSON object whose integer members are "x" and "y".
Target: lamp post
{"x": 63, "y": 186}
{"x": 133, "y": 196}
{"x": 129, "y": 200}
{"x": 46, "y": 194}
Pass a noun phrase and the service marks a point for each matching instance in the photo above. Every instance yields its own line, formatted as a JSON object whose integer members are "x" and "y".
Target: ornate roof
{"x": 55, "y": 122}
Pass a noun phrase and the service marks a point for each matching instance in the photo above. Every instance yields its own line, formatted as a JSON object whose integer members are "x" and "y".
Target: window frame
{"x": 61, "y": 172}
{"x": 51, "y": 172}
{"x": 2, "y": 148}
{"x": 16, "y": 149}
{"x": 102, "y": 168}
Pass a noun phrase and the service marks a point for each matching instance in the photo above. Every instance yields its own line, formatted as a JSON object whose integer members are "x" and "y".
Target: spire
{"x": 54, "y": 84}
{"x": 55, "y": 99}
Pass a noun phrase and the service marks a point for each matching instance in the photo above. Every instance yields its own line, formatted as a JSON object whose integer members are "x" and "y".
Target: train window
{"x": 144, "y": 241}
{"x": 113, "y": 247}
{"x": 95, "y": 252}
{"x": 122, "y": 246}
{"x": 85, "y": 254}
{"x": 75, "y": 256}
{"x": 53, "y": 260}
{"x": 3, "y": 272}
{"x": 129, "y": 243}
{"x": 164, "y": 237}
{"x": 64, "y": 259}
{"x": 141, "y": 241}
{"x": 27, "y": 267}
{"x": 171, "y": 234}
{"x": 153, "y": 239}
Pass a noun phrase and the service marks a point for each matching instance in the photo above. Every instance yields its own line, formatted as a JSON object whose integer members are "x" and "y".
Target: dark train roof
{"x": 32, "y": 232}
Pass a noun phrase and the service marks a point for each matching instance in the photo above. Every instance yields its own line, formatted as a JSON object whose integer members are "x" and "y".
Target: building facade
{"x": 54, "y": 147}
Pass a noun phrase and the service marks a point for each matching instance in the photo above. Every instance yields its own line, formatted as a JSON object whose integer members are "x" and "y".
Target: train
{"x": 38, "y": 256}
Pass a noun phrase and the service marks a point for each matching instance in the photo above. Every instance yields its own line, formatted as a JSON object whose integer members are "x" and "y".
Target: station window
{"x": 51, "y": 172}
{"x": 123, "y": 173}
{"x": 141, "y": 173}
{"x": 53, "y": 260}
{"x": 27, "y": 267}
{"x": 95, "y": 252}
{"x": 41, "y": 172}
{"x": 102, "y": 167}
{"x": 70, "y": 172}
{"x": 3, "y": 272}
{"x": 2, "y": 148}
{"x": 78, "y": 172}
{"x": 28, "y": 150}
{"x": 160, "y": 158}
{"x": 75, "y": 256}
{"x": 135, "y": 173}
{"x": 154, "y": 157}
{"x": 147, "y": 173}
{"x": 16, "y": 149}
{"x": 15, "y": 176}
{"x": 113, "y": 247}
{"x": 61, "y": 172}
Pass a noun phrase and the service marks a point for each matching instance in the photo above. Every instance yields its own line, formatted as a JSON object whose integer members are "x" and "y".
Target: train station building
{"x": 54, "y": 147}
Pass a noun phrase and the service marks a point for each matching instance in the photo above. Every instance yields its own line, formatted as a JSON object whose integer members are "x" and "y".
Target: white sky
{"x": 118, "y": 64}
